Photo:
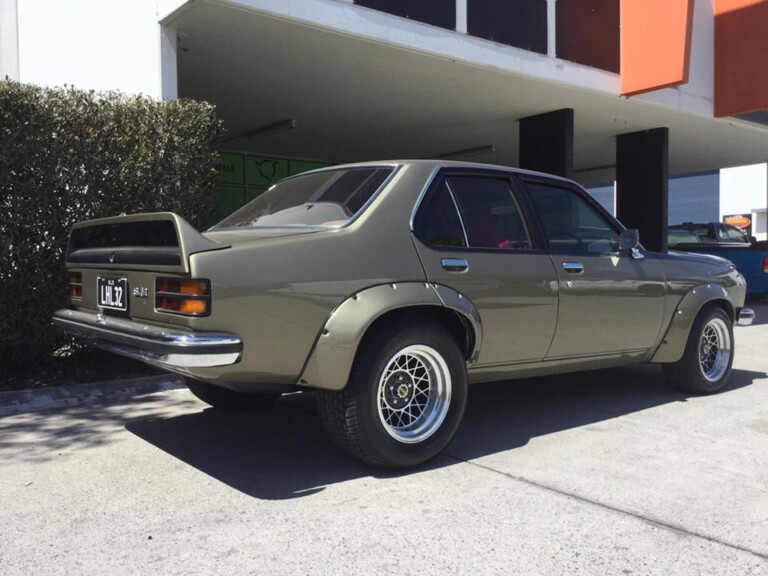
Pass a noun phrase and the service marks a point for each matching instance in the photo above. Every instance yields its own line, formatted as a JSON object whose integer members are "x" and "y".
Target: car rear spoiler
{"x": 161, "y": 241}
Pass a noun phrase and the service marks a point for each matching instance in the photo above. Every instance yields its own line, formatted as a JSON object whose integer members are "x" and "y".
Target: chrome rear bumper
{"x": 160, "y": 346}
{"x": 745, "y": 317}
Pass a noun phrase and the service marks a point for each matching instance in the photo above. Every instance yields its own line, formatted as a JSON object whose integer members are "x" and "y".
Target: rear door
{"x": 472, "y": 234}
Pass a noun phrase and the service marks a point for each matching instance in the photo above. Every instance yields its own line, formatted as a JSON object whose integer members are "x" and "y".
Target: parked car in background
{"x": 749, "y": 257}
{"x": 715, "y": 232}
{"x": 387, "y": 287}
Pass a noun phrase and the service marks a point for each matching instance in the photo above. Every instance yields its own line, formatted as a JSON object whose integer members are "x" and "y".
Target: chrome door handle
{"x": 455, "y": 264}
{"x": 573, "y": 267}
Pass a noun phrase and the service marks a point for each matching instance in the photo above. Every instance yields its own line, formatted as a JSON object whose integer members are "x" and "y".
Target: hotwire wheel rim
{"x": 714, "y": 350}
{"x": 414, "y": 394}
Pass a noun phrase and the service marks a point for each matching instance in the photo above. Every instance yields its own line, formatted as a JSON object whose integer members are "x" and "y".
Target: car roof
{"x": 455, "y": 164}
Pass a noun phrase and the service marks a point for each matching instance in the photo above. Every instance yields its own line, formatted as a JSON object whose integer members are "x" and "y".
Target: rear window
{"x": 326, "y": 198}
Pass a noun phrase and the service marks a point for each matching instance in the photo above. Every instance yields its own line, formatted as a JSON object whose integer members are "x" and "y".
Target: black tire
{"x": 229, "y": 400}
{"x": 706, "y": 362}
{"x": 404, "y": 400}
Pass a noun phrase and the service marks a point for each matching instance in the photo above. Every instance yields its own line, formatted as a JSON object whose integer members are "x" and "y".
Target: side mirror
{"x": 629, "y": 242}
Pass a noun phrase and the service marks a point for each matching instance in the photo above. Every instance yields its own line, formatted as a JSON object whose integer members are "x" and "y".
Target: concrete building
{"x": 631, "y": 91}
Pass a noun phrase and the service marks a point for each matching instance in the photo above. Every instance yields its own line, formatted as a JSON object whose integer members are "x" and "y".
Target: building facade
{"x": 631, "y": 91}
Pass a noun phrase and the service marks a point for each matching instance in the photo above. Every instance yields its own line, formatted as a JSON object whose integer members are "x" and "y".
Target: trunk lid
{"x": 118, "y": 261}
{"x": 160, "y": 241}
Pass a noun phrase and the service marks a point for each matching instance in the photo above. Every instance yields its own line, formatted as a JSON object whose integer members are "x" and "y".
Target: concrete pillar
{"x": 9, "y": 40}
{"x": 642, "y": 185}
{"x": 546, "y": 142}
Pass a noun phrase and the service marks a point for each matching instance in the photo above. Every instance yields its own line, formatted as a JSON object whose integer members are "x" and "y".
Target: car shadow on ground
{"x": 282, "y": 452}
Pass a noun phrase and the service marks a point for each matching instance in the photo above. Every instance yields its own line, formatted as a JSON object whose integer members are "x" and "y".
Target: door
{"x": 472, "y": 236}
{"x": 610, "y": 302}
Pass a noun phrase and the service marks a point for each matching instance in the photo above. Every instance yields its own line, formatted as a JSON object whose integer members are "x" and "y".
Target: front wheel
{"x": 706, "y": 362}
{"x": 405, "y": 398}
{"x": 229, "y": 400}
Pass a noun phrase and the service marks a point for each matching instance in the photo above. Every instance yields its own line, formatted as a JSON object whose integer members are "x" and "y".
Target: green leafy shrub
{"x": 68, "y": 155}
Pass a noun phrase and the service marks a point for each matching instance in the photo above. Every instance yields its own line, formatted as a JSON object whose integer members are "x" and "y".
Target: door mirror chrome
{"x": 629, "y": 241}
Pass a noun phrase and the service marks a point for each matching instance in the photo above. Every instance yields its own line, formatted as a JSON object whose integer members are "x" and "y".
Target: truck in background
{"x": 749, "y": 256}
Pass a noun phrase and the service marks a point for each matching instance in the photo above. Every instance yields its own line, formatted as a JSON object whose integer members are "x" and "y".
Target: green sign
{"x": 230, "y": 168}
{"x": 263, "y": 172}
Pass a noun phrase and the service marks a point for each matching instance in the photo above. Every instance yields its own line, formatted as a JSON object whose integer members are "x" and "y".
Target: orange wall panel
{"x": 655, "y": 44}
{"x": 741, "y": 56}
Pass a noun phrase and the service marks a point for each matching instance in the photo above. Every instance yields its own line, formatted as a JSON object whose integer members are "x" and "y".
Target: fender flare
{"x": 673, "y": 344}
{"x": 330, "y": 362}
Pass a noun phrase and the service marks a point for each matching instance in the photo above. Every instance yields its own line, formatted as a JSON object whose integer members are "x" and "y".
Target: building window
{"x": 440, "y": 13}
{"x": 519, "y": 23}
{"x": 588, "y": 33}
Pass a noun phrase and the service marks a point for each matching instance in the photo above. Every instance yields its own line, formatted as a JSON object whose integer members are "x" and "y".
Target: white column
{"x": 9, "y": 40}
{"x": 169, "y": 79}
{"x": 461, "y": 16}
{"x": 551, "y": 28}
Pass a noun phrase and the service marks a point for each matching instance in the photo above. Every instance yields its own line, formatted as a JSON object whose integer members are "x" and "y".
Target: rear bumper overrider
{"x": 745, "y": 316}
{"x": 152, "y": 344}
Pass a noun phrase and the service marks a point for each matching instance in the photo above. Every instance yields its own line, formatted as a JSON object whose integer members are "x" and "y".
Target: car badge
{"x": 141, "y": 292}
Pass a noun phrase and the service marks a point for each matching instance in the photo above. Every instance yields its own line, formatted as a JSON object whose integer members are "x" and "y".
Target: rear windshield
{"x": 327, "y": 198}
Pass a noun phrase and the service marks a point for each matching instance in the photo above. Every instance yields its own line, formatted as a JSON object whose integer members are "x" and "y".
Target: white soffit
{"x": 365, "y": 85}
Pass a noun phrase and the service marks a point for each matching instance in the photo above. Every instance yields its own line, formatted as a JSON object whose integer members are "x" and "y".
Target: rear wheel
{"x": 229, "y": 400}
{"x": 405, "y": 398}
{"x": 706, "y": 363}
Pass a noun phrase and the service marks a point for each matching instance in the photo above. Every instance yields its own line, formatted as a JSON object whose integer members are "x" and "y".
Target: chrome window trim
{"x": 458, "y": 212}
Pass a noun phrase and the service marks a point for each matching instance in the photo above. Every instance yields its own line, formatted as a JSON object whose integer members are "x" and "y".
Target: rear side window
{"x": 438, "y": 222}
{"x": 326, "y": 198}
{"x": 491, "y": 214}
{"x": 474, "y": 212}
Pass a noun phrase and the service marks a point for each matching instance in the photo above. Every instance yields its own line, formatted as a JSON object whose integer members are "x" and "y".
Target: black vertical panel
{"x": 546, "y": 142}
{"x": 642, "y": 185}
{"x": 440, "y": 13}
{"x": 520, "y": 23}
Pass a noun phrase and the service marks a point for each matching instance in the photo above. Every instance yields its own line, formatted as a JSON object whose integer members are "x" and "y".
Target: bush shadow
{"x": 282, "y": 452}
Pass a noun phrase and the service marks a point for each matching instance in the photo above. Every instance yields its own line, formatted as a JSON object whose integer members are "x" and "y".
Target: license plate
{"x": 113, "y": 293}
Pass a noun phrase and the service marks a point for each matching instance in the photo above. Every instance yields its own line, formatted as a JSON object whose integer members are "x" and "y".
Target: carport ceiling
{"x": 355, "y": 99}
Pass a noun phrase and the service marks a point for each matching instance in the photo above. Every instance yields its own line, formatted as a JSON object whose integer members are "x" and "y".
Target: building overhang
{"x": 363, "y": 85}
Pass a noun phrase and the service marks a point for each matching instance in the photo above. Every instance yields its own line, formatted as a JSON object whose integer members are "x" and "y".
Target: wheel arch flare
{"x": 330, "y": 362}
{"x": 673, "y": 344}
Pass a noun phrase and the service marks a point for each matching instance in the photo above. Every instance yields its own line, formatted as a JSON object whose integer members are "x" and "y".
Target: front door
{"x": 610, "y": 302}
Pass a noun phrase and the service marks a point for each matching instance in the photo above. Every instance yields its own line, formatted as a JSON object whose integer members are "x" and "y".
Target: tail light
{"x": 765, "y": 264}
{"x": 190, "y": 297}
{"x": 75, "y": 285}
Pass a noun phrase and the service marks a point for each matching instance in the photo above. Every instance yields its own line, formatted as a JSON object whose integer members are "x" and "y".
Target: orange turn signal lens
{"x": 188, "y": 296}
{"x": 194, "y": 307}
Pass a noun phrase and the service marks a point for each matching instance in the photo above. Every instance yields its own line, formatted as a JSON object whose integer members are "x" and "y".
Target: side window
{"x": 736, "y": 235}
{"x": 438, "y": 222}
{"x": 570, "y": 223}
{"x": 491, "y": 215}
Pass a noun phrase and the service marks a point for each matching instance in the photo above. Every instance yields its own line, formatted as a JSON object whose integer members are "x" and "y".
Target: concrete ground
{"x": 608, "y": 472}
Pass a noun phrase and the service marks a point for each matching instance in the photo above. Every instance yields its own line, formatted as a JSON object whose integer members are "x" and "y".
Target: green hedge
{"x": 68, "y": 155}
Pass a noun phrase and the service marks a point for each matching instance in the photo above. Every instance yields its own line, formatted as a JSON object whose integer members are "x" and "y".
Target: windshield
{"x": 326, "y": 198}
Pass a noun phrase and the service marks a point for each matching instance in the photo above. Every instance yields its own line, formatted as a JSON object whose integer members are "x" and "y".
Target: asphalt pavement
{"x": 601, "y": 473}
